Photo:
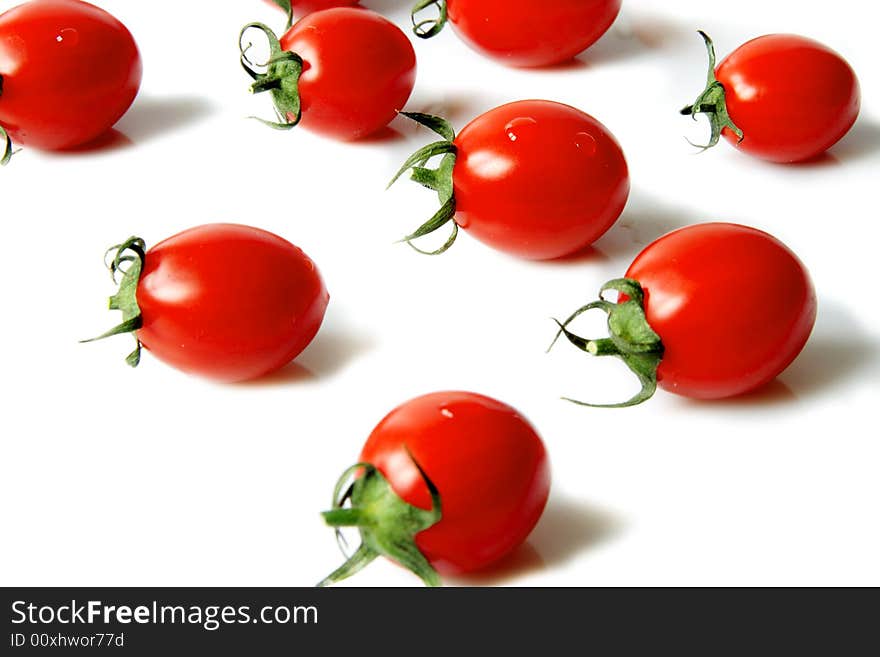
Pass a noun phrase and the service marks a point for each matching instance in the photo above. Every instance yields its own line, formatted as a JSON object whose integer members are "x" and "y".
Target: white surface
{"x": 110, "y": 476}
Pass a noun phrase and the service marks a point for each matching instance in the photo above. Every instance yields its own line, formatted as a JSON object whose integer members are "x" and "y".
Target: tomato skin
{"x": 229, "y": 302}
{"x": 732, "y": 305}
{"x": 486, "y": 460}
{"x": 538, "y": 179}
{"x": 792, "y": 97}
{"x": 515, "y": 33}
{"x": 305, "y": 7}
{"x": 70, "y": 70}
{"x": 359, "y": 70}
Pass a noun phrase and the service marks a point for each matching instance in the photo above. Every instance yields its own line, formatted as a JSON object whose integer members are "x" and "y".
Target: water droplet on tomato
{"x": 445, "y": 412}
{"x": 585, "y": 143}
{"x": 515, "y": 127}
{"x": 68, "y": 37}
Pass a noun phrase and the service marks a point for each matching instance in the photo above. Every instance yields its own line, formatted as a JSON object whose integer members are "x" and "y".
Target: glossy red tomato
{"x": 228, "y": 302}
{"x": 707, "y": 311}
{"x": 732, "y": 305}
{"x": 538, "y": 179}
{"x": 358, "y": 70}
{"x": 523, "y": 33}
{"x": 485, "y": 459}
{"x": 487, "y": 465}
{"x": 69, "y": 71}
{"x": 791, "y": 97}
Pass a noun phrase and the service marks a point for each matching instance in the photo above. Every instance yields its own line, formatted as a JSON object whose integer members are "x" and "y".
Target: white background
{"x": 112, "y": 476}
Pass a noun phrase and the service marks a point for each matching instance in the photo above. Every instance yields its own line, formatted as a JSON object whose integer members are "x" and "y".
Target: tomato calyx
{"x": 128, "y": 260}
{"x": 712, "y": 103}
{"x": 287, "y": 8}
{"x": 631, "y": 338}
{"x": 427, "y": 28}
{"x": 439, "y": 179}
{"x": 279, "y": 75}
{"x": 387, "y": 524}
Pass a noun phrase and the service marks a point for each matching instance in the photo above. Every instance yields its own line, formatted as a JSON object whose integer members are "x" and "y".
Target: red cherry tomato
{"x": 791, "y": 98}
{"x": 228, "y": 302}
{"x": 534, "y": 178}
{"x": 521, "y": 33}
{"x": 538, "y": 179}
{"x": 358, "y": 70}
{"x": 487, "y": 464}
{"x": 732, "y": 305}
{"x": 68, "y": 72}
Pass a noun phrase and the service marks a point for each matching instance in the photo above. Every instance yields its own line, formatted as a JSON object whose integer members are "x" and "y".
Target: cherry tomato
{"x": 533, "y": 178}
{"x": 725, "y": 307}
{"x": 224, "y": 301}
{"x": 357, "y": 70}
{"x": 788, "y": 98}
{"x": 521, "y": 33}
{"x": 68, "y": 72}
{"x": 479, "y": 458}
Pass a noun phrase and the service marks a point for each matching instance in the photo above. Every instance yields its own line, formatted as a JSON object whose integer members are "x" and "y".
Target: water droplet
{"x": 515, "y": 127}
{"x": 445, "y": 412}
{"x": 585, "y": 142}
{"x": 68, "y": 37}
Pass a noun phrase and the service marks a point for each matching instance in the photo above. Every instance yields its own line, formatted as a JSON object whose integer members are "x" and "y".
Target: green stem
{"x": 387, "y": 524}
{"x": 344, "y": 517}
{"x": 438, "y": 180}
{"x": 631, "y": 338}
{"x": 355, "y": 563}
{"x": 425, "y": 29}
{"x": 712, "y": 102}
{"x": 128, "y": 259}
{"x": 280, "y": 78}
{"x": 286, "y": 7}
{"x": 420, "y": 157}
{"x": 689, "y": 110}
{"x": 440, "y": 218}
{"x": 603, "y": 347}
{"x": 265, "y": 84}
